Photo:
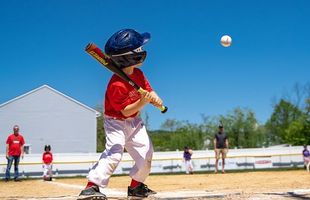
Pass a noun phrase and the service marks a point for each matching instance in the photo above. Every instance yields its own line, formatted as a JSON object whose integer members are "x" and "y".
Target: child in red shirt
{"x": 123, "y": 126}
{"x": 47, "y": 159}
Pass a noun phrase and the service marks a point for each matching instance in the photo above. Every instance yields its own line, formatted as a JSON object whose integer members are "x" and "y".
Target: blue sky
{"x": 42, "y": 42}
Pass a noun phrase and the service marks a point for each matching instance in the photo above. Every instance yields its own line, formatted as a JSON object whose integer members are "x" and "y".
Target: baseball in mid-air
{"x": 226, "y": 40}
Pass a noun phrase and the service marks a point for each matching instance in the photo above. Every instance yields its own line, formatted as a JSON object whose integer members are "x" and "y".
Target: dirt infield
{"x": 241, "y": 185}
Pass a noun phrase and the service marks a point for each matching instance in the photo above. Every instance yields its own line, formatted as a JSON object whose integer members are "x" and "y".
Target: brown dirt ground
{"x": 242, "y": 182}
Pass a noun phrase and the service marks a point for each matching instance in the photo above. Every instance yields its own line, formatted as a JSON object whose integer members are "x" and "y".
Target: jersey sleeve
{"x": 8, "y": 141}
{"x": 22, "y": 141}
{"x": 146, "y": 83}
{"x": 118, "y": 96}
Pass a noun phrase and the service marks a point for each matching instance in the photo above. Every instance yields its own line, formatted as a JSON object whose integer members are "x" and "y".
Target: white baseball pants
{"x": 47, "y": 170}
{"x": 188, "y": 166}
{"x": 130, "y": 134}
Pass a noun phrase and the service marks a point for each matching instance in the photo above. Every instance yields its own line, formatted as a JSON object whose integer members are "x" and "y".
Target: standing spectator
{"x": 187, "y": 157}
{"x": 306, "y": 156}
{"x": 14, "y": 150}
{"x": 47, "y": 159}
{"x": 220, "y": 147}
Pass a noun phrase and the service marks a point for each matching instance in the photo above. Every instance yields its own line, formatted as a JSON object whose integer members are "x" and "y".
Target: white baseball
{"x": 226, "y": 40}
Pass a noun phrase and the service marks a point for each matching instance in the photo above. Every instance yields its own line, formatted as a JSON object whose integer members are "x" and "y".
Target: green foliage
{"x": 100, "y": 135}
{"x": 288, "y": 124}
{"x": 240, "y": 125}
{"x": 298, "y": 132}
{"x": 186, "y": 135}
{"x": 100, "y": 131}
{"x": 283, "y": 115}
{"x": 294, "y": 134}
{"x": 171, "y": 125}
{"x": 243, "y": 129}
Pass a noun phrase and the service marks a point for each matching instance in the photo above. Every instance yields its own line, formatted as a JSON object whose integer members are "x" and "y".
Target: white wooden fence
{"x": 165, "y": 162}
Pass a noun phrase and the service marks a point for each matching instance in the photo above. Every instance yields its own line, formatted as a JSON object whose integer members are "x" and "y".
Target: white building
{"x": 47, "y": 116}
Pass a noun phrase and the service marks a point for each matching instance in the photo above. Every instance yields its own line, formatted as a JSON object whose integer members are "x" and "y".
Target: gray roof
{"x": 54, "y": 90}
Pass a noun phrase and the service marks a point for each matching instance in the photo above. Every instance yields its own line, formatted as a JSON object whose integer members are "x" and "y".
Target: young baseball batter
{"x": 123, "y": 126}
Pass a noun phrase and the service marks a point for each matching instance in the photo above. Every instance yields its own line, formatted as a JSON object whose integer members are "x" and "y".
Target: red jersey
{"x": 120, "y": 94}
{"x": 15, "y": 142}
{"x": 47, "y": 157}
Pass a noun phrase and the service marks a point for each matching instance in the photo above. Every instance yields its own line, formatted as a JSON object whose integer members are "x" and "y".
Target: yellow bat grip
{"x": 162, "y": 108}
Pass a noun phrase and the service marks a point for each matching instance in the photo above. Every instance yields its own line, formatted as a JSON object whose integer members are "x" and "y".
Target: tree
{"x": 100, "y": 130}
{"x": 171, "y": 125}
{"x": 240, "y": 125}
{"x": 283, "y": 115}
{"x": 208, "y": 128}
{"x": 146, "y": 120}
{"x": 295, "y": 133}
{"x": 242, "y": 128}
{"x": 298, "y": 132}
{"x": 307, "y": 122}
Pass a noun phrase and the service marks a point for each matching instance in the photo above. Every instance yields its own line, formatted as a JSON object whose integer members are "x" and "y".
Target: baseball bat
{"x": 106, "y": 61}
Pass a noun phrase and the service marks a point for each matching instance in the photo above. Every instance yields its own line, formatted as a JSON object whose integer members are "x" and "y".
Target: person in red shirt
{"x": 14, "y": 150}
{"x": 47, "y": 159}
{"x": 123, "y": 126}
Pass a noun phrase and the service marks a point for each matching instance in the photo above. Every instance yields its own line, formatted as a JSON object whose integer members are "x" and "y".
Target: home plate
{"x": 301, "y": 191}
{"x": 185, "y": 194}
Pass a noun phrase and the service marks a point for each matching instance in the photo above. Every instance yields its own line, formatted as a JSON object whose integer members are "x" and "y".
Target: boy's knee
{"x": 115, "y": 152}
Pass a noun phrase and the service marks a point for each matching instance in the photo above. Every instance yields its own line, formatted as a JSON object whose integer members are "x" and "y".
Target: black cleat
{"x": 91, "y": 193}
{"x": 149, "y": 191}
{"x": 48, "y": 179}
{"x": 140, "y": 191}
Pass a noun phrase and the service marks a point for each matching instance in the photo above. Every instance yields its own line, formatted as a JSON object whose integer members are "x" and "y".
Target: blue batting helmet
{"x": 125, "y": 47}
